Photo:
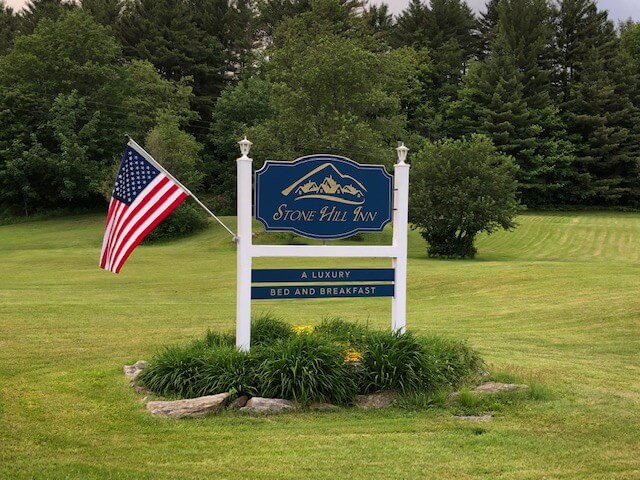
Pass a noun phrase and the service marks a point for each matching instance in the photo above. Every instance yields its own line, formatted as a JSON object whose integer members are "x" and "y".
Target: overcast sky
{"x": 618, "y": 9}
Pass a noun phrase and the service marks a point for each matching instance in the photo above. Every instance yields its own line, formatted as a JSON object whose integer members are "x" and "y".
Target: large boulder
{"x": 490, "y": 388}
{"x": 383, "y": 399}
{"x": 132, "y": 371}
{"x": 239, "y": 402}
{"x": 267, "y": 405}
{"x": 497, "y": 387}
{"x": 192, "y": 407}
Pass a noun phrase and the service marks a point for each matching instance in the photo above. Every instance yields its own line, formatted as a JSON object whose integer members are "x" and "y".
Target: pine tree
{"x": 594, "y": 86}
{"x": 379, "y": 20}
{"x": 411, "y": 26}
{"x": 233, "y": 24}
{"x": 166, "y": 33}
{"x": 487, "y": 23}
{"x": 449, "y": 20}
{"x": 8, "y": 27}
{"x": 272, "y": 12}
{"x": 36, "y": 10}
{"x": 492, "y": 101}
{"x": 630, "y": 39}
{"x": 527, "y": 26}
{"x": 452, "y": 41}
{"x": 447, "y": 29}
{"x": 105, "y": 12}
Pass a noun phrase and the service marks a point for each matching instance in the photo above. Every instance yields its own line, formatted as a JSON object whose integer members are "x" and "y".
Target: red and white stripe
{"x": 127, "y": 225}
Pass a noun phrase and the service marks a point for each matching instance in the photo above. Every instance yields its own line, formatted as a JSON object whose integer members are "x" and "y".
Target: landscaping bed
{"x": 336, "y": 362}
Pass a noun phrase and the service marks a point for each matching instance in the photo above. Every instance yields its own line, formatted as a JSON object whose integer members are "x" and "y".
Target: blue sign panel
{"x": 321, "y": 291}
{"x": 323, "y": 275}
{"x": 323, "y": 196}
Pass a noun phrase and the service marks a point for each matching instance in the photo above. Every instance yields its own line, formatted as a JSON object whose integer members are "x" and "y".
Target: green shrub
{"x": 453, "y": 360}
{"x": 312, "y": 367}
{"x": 305, "y": 368}
{"x": 184, "y": 220}
{"x": 460, "y": 188}
{"x": 267, "y": 329}
{"x": 225, "y": 369}
{"x": 340, "y": 330}
{"x": 196, "y": 370}
{"x": 172, "y": 372}
{"x": 394, "y": 361}
{"x": 214, "y": 339}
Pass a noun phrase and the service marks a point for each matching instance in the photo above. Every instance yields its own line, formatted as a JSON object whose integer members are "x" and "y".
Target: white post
{"x": 400, "y": 232}
{"x": 243, "y": 286}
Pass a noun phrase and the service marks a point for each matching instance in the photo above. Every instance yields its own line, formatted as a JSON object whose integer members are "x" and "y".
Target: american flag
{"x": 142, "y": 197}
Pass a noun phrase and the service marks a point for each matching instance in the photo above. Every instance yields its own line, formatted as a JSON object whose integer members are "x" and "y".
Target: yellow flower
{"x": 303, "y": 329}
{"x": 352, "y": 356}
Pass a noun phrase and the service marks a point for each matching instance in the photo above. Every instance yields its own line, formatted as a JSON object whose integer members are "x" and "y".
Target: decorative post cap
{"x": 402, "y": 153}
{"x": 245, "y": 146}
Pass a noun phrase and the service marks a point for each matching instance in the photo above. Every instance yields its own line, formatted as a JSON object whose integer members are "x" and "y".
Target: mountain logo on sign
{"x": 328, "y": 183}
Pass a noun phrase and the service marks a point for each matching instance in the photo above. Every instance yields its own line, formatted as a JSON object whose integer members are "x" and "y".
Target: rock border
{"x": 210, "y": 404}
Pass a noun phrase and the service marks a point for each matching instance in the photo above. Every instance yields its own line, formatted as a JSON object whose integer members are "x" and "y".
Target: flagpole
{"x": 152, "y": 160}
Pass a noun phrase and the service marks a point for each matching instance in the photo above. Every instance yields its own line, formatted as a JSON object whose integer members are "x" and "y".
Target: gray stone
{"x": 489, "y": 388}
{"x": 382, "y": 399}
{"x": 239, "y": 402}
{"x": 141, "y": 390}
{"x": 192, "y": 407}
{"x": 132, "y": 371}
{"x": 267, "y": 405}
{"x": 497, "y": 387}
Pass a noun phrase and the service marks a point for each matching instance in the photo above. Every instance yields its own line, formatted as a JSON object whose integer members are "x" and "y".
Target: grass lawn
{"x": 556, "y": 301}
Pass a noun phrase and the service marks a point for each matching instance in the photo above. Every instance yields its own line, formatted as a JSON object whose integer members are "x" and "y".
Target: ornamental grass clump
{"x": 305, "y": 368}
{"x": 340, "y": 330}
{"x": 454, "y": 362}
{"x": 266, "y": 329}
{"x": 395, "y": 361}
{"x": 194, "y": 371}
{"x": 172, "y": 372}
{"x": 218, "y": 339}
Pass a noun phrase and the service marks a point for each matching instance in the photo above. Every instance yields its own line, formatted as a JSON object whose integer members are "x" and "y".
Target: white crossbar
{"x": 324, "y": 251}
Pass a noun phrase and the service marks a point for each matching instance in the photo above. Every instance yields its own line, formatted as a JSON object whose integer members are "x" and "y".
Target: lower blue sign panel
{"x": 321, "y": 291}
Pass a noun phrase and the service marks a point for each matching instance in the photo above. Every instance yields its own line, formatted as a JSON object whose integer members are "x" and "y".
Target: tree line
{"x": 553, "y": 84}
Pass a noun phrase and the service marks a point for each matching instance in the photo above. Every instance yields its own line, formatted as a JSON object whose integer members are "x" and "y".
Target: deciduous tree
{"x": 460, "y": 188}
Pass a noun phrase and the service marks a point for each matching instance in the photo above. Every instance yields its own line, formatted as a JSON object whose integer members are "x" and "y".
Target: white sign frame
{"x": 247, "y": 251}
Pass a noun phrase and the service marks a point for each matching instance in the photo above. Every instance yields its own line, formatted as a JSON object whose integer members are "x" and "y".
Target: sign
{"x": 322, "y": 275}
{"x": 323, "y": 197}
{"x": 321, "y": 291}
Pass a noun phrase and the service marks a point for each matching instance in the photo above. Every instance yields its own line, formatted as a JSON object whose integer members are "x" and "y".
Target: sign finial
{"x": 245, "y": 146}
{"x": 402, "y": 153}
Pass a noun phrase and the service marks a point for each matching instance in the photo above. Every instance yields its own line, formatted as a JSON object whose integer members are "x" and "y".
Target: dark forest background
{"x": 554, "y": 84}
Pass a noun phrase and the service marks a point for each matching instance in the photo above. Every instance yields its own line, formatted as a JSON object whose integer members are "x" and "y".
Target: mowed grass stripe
{"x": 589, "y": 236}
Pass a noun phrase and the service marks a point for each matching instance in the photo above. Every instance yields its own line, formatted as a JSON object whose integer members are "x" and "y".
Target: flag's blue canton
{"x": 134, "y": 174}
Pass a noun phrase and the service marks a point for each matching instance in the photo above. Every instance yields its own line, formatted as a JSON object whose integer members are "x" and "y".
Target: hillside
{"x": 555, "y": 301}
